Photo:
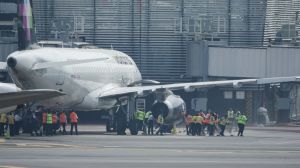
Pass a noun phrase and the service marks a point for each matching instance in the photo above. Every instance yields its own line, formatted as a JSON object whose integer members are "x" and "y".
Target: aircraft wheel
{"x": 108, "y": 126}
{"x": 133, "y": 127}
{"x": 121, "y": 123}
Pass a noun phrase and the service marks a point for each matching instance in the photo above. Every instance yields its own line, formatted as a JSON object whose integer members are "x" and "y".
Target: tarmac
{"x": 274, "y": 148}
{"x": 100, "y": 129}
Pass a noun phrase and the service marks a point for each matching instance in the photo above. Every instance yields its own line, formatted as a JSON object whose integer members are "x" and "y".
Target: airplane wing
{"x": 14, "y": 98}
{"x": 188, "y": 86}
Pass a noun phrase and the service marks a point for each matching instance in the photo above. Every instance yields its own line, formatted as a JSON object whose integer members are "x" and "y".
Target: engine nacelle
{"x": 172, "y": 108}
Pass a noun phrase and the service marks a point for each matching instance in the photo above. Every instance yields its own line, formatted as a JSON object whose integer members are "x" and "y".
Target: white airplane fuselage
{"x": 82, "y": 82}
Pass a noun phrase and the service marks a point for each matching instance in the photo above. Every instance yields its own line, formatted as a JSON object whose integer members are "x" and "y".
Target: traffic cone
{"x": 7, "y": 134}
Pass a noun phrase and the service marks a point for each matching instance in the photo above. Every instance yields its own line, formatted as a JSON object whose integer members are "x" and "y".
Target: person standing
{"x": 237, "y": 114}
{"x": 49, "y": 124}
{"x": 54, "y": 123}
{"x": 160, "y": 122}
{"x": 150, "y": 123}
{"x": 230, "y": 115}
{"x": 63, "y": 122}
{"x": 74, "y": 121}
{"x": 18, "y": 122}
{"x": 193, "y": 127}
{"x": 222, "y": 124}
{"x": 188, "y": 119}
{"x": 11, "y": 123}
{"x": 207, "y": 121}
{"x": 44, "y": 121}
{"x": 242, "y": 119}
{"x": 199, "y": 120}
{"x": 140, "y": 116}
{"x": 34, "y": 124}
{"x": 146, "y": 124}
{"x": 3, "y": 121}
{"x": 212, "y": 125}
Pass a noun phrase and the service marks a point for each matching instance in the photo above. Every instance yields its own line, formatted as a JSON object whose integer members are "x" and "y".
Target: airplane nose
{"x": 11, "y": 62}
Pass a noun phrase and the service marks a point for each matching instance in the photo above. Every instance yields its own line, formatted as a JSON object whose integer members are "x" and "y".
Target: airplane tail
{"x": 25, "y": 24}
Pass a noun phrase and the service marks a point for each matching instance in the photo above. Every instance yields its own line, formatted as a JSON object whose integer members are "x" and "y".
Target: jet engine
{"x": 168, "y": 104}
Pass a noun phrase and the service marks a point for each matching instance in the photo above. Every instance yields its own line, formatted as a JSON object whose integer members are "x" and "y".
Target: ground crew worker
{"x": 199, "y": 120}
{"x": 54, "y": 123}
{"x": 203, "y": 123}
{"x": 49, "y": 124}
{"x": 44, "y": 121}
{"x": 188, "y": 120}
{"x": 193, "y": 127}
{"x": 34, "y": 124}
{"x": 160, "y": 122}
{"x": 222, "y": 124}
{"x": 150, "y": 123}
{"x": 63, "y": 122}
{"x": 216, "y": 122}
{"x": 242, "y": 119}
{"x": 147, "y": 115}
{"x": 3, "y": 121}
{"x": 211, "y": 125}
{"x": 74, "y": 121}
{"x": 235, "y": 125}
{"x": 207, "y": 121}
{"x": 230, "y": 115}
{"x": 11, "y": 123}
{"x": 18, "y": 123}
{"x": 140, "y": 116}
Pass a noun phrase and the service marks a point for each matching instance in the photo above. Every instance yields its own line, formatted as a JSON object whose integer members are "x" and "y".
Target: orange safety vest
{"x": 44, "y": 118}
{"x": 54, "y": 118}
{"x": 73, "y": 117}
{"x": 62, "y": 118}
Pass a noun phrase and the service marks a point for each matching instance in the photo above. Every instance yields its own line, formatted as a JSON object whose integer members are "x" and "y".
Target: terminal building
{"x": 185, "y": 41}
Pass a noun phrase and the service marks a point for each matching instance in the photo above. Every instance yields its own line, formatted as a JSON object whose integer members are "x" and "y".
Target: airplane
{"x": 93, "y": 79}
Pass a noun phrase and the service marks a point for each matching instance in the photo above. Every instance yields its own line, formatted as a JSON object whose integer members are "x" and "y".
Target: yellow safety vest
{"x": 3, "y": 118}
{"x": 49, "y": 118}
{"x": 140, "y": 115}
{"x": 199, "y": 119}
{"x": 242, "y": 119}
{"x": 11, "y": 119}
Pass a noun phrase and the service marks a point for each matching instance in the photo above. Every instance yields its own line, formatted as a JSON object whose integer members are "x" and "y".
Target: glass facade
{"x": 155, "y": 33}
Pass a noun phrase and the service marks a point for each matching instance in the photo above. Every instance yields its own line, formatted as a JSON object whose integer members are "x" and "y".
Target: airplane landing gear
{"x": 111, "y": 122}
{"x": 121, "y": 123}
{"x": 133, "y": 127}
